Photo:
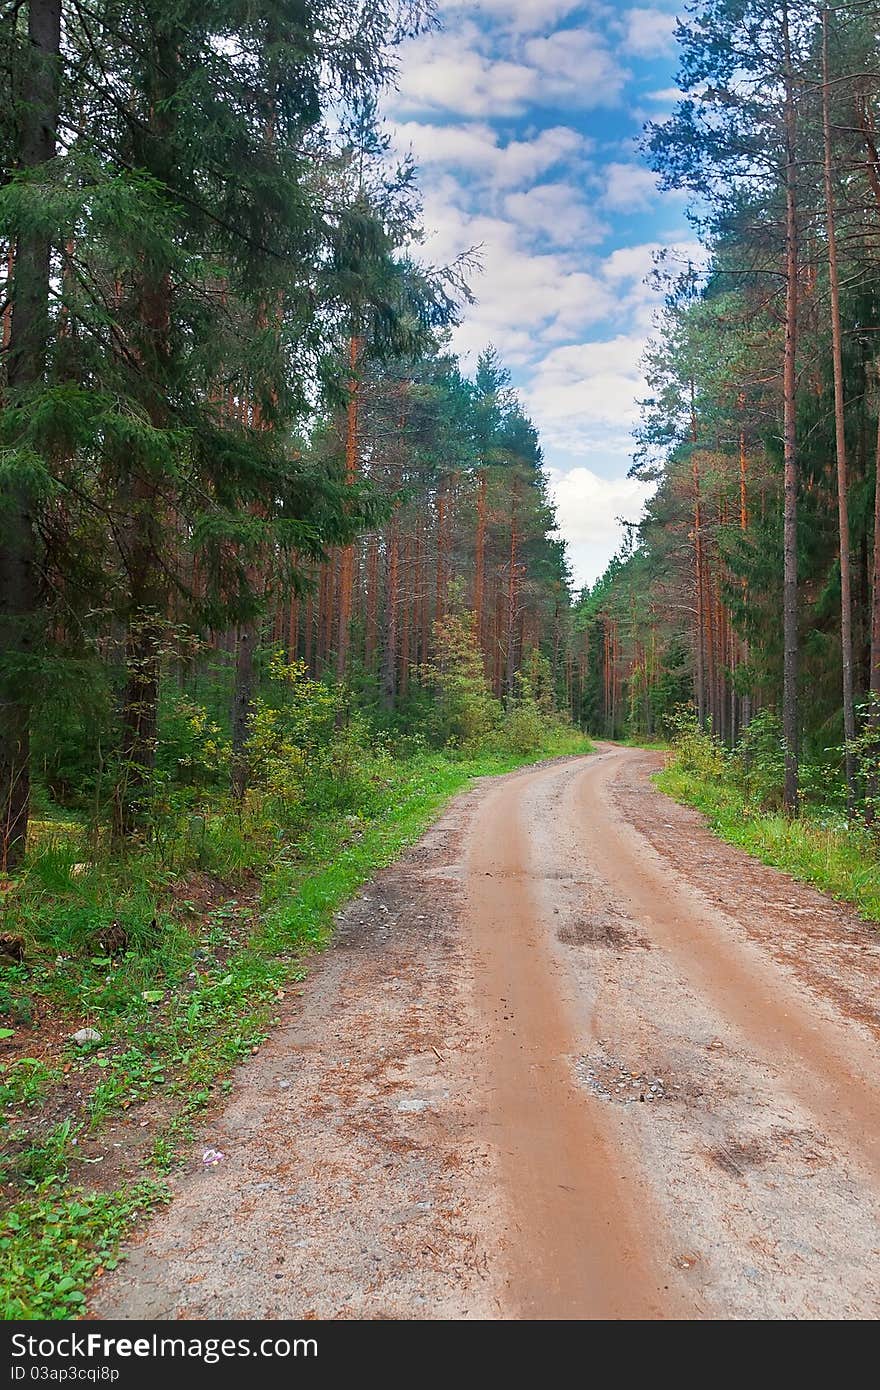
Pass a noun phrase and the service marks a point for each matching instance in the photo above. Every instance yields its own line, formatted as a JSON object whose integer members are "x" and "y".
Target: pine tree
{"x": 27, "y": 351}
{"x": 739, "y": 145}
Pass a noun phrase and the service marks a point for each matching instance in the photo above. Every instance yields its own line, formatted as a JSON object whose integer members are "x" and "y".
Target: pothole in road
{"x": 735, "y": 1157}
{"x": 741, "y": 1153}
{"x": 610, "y": 927}
{"x": 611, "y": 1079}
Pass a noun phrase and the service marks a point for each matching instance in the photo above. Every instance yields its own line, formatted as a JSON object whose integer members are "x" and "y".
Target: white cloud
{"x": 555, "y": 213}
{"x": 628, "y": 187}
{"x": 648, "y": 32}
{"x": 462, "y": 71}
{"x": 630, "y": 269}
{"x": 473, "y": 147}
{"x": 580, "y": 386}
{"x": 588, "y": 508}
{"x": 576, "y": 65}
{"x": 636, "y": 264}
{"x": 444, "y": 73}
{"x": 584, "y": 395}
{"x": 476, "y": 148}
{"x": 526, "y": 299}
{"x": 520, "y": 16}
{"x": 631, "y": 262}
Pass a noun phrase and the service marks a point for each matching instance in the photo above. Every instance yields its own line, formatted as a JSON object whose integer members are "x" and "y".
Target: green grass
{"x": 841, "y": 860}
{"x": 193, "y": 994}
{"x": 52, "y": 1243}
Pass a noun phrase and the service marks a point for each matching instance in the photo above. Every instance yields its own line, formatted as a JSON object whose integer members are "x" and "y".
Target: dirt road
{"x": 570, "y": 1057}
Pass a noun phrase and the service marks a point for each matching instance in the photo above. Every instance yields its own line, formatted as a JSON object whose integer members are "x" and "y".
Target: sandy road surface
{"x": 570, "y": 1057}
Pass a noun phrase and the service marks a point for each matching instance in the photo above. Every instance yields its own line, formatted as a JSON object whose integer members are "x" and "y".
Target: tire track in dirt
{"x": 578, "y": 1249}
{"x": 826, "y": 1062}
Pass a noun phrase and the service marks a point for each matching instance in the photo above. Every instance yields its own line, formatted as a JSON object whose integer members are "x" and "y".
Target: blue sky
{"x": 524, "y": 116}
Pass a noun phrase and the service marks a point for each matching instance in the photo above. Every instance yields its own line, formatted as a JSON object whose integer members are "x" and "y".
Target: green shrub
{"x": 73, "y": 726}
{"x": 866, "y": 751}
{"x": 694, "y": 750}
{"x": 304, "y": 712}
{"x": 293, "y": 725}
{"x": 349, "y": 775}
{"x": 524, "y": 730}
{"x": 193, "y": 747}
{"x": 232, "y": 842}
{"x": 531, "y": 721}
{"x": 535, "y": 681}
{"x": 465, "y": 711}
{"x": 760, "y": 759}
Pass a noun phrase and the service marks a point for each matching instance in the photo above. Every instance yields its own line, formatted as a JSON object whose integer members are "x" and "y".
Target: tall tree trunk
{"x": 246, "y": 640}
{"x": 614, "y": 678}
{"x": 699, "y": 636}
{"x": 512, "y": 594}
{"x": 346, "y": 558}
{"x": 309, "y": 634}
{"x": 441, "y": 577}
{"x": 875, "y": 576}
{"x": 419, "y": 597}
{"x": 320, "y": 617}
{"x": 874, "y": 675}
{"x": 480, "y": 556}
{"x": 406, "y": 618}
{"x": 790, "y": 702}
{"x": 389, "y": 635}
{"x": 746, "y": 706}
{"x": 724, "y": 663}
{"x": 699, "y": 569}
{"x": 846, "y": 647}
{"x": 328, "y": 608}
{"x": 147, "y": 608}
{"x": 147, "y": 611}
{"x": 649, "y": 707}
{"x": 497, "y": 668}
{"x": 29, "y": 328}
{"x": 242, "y": 706}
{"x": 145, "y": 622}
{"x": 711, "y": 663}
{"x": 293, "y": 628}
{"x": 371, "y": 619}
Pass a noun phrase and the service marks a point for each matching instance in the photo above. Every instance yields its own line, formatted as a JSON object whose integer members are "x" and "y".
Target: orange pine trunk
{"x": 480, "y": 555}
{"x": 346, "y": 558}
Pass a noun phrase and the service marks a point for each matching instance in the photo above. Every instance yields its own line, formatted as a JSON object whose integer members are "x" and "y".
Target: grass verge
{"x": 91, "y": 1127}
{"x": 841, "y": 860}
